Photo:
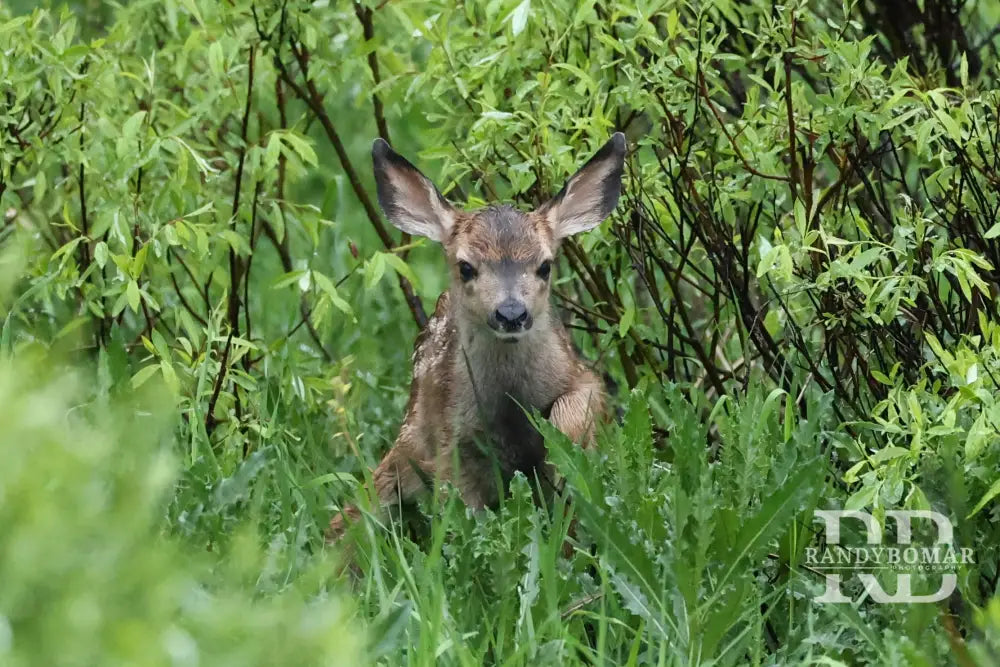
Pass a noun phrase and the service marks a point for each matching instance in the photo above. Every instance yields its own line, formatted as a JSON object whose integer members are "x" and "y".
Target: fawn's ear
{"x": 591, "y": 194}
{"x": 408, "y": 198}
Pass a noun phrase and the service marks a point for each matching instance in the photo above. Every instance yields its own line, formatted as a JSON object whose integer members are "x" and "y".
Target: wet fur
{"x": 465, "y": 421}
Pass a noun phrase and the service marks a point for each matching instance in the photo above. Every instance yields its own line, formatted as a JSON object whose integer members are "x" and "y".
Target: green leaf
{"x": 287, "y": 279}
{"x": 637, "y": 602}
{"x": 139, "y": 263}
{"x": 302, "y": 148}
{"x": 889, "y": 453}
{"x": 851, "y": 476}
{"x": 273, "y": 151}
{"x": 101, "y": 253}
{"x": 72, "y": 326}
{"x": 951, "y": 125}
{"x": 374, "y": 269}
{"x": 388, "y": 630}
{"x": 881, "y": 377}
{"x": 799, "y": 213}
{"x": 215, "y": 59}
{"x": 131, "y": 126}
{"x": 327, "y": 286}
{"x": 132, "y": 293}
{"x": 673, "y": 20}
{"x": 626, "y": 321}
{"x": 192, "y": 7}
{"x": 237, "y": 487}
{"x": 899, "y": 119}
{"x": 773, "y": 516}
{"x": 863, "y": 497}
{"x": 401, "y": 267}
{"x": 992, "y": 493}
{"x": 519, "y": 17}
{"x": 277, "y": 221}
{"x": 170, "y": 376}
{"x": 144, "y": 374}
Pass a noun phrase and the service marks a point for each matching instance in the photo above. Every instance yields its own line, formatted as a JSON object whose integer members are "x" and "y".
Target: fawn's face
{"x": 500, "y": 257}
{"x": 501, "y": 263}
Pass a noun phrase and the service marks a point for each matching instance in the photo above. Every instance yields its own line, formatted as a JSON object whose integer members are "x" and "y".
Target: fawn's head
{"x": 500, "y": 257}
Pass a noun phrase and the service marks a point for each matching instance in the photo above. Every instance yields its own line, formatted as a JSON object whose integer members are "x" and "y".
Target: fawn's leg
{"x": 576, "y": 413}
{"x": 399, "y": 478}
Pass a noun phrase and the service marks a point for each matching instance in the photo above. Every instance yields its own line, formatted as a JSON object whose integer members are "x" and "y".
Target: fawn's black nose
{"x": 511, "y": 316}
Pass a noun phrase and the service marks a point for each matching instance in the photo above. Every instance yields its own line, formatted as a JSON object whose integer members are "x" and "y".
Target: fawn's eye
{"x": 466, "y": 271}
{"x": 544, "y": 270}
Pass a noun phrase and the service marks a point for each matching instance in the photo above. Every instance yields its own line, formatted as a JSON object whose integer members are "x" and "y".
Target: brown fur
{"x": 465, "y": 421}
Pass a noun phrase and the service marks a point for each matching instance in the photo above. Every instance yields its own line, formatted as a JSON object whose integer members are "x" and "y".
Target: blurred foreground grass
{"x": 87, "y": 576}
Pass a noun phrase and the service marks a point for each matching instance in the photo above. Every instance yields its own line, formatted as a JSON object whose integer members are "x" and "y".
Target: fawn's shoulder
{"x": 435, "y": 341}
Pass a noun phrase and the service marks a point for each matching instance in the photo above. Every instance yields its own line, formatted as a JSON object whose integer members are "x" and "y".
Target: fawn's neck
{"x": 499, "y": 366}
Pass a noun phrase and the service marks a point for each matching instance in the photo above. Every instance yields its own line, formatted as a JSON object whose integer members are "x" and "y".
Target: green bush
{"x": 796, "y": 300}
{"x": 89, "y": 578}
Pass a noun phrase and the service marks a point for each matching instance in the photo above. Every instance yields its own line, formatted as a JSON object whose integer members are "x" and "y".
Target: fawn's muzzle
{"x": 511, "y": 316}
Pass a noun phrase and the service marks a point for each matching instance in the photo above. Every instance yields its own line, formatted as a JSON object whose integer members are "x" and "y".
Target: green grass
{"x": 682, "y": 555}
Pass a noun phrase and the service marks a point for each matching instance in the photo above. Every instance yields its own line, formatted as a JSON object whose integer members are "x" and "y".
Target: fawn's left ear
{"x": 591, "y": 194}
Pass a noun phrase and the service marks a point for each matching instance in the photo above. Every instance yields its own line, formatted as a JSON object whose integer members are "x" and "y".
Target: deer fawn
{"x": 493, "y": 348}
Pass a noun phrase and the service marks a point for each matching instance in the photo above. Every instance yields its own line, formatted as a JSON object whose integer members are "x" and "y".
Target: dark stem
{"x": 314, "y": 99}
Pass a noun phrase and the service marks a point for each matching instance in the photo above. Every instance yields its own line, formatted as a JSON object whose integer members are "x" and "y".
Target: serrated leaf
{"x": 388, "y": 629}
{"x": 639, "y": 604}
{"x": 771, "y": 517}
{"x": 235, "y": 488}
{"x": 273, "y": 151}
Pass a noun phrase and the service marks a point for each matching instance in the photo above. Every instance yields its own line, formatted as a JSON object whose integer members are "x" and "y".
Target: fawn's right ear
{"x": 408, "y": 198}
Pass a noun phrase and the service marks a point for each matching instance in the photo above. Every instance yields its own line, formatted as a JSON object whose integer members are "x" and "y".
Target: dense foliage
{"x": 796, "y": 301}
